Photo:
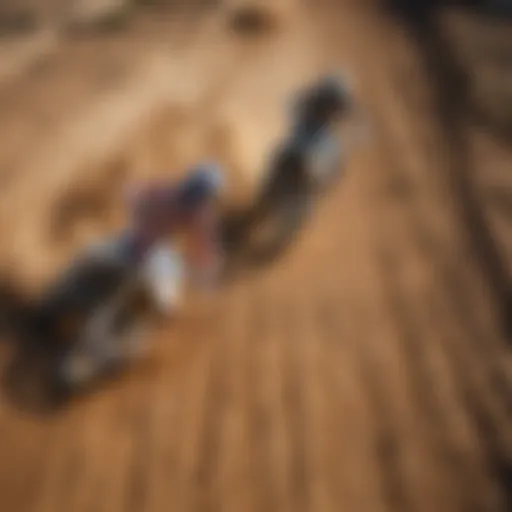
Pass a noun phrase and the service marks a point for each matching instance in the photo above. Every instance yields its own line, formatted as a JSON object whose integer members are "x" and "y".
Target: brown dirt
{"x": 367, "y": 370}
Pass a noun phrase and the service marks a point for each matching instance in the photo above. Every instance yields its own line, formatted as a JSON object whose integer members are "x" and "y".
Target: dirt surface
{"x": 367, "y": 370}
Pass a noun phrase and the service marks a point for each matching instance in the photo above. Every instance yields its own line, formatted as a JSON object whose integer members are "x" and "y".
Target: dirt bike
{"x": 93, "y": 316}
{"x": 99, "y": 308}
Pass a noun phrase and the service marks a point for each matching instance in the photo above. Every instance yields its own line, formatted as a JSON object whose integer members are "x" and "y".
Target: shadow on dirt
{"x": 450, "y": 89}
{"x": 415, "y": 10}
{"x": 249, "y": 254}
{"x": 414, "y": 341}
{"x": 451, "y": 86}
{"x": 25, "y": 380}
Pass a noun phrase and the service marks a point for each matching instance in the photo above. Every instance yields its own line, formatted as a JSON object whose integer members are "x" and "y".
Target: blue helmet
{"x": 206, "y": 180}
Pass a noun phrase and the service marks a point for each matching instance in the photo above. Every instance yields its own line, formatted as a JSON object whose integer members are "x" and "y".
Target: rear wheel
{"x": 64, "y": 307}
{"x": 96, "y": 354}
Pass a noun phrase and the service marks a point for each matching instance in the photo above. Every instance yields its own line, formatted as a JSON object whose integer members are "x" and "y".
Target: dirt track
{"x": 366, "y": 371}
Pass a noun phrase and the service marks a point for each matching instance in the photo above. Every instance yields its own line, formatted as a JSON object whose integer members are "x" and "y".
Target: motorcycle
{"x": 95, "y": 315}
{"x": 99, "y": 309}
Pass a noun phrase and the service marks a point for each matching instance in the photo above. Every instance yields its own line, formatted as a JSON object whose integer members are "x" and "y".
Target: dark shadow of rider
{"x": 289, "y": 188}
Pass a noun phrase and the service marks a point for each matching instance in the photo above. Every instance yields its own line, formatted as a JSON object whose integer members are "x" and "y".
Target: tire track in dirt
{"x": 309, "y": 347}
{"x": 278, "y": 445}
{"x": 233, "y": 477}
{"x": 487, "y": 344}
{"x": 366, "y": 371}
{"x": 475, "y": 363}
{"x": 420, "y": 350}
{"x": 333, "y": 423}
{"x": 400, "y": 217}
{"x": 203, "y": 476}
{"x": 419, "y": 342}
{"x": 258, "y": 339}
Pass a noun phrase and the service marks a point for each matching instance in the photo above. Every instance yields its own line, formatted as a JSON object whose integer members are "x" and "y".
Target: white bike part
{"x": 163, "y": 273}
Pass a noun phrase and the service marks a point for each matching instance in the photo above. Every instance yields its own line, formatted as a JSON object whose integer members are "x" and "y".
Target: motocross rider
{"x": 168, "y": 212}
{"x": 159, "y": 211}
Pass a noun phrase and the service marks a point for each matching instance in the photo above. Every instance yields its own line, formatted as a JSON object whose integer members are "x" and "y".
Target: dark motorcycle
{"x": 99, "y": 308}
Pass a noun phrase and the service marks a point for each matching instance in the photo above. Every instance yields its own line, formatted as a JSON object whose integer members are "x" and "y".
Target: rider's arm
{"x": 205, "y": 249}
